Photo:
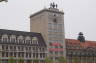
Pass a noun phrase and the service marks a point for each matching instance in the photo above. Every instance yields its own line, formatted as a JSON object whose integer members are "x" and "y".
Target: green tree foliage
{"x": 30, "y": 61}
{"x": 21, "y": 60}
{"x": 75, "y": 60}
{"x": 11, "y": 60}
{"x": 90, "y": 61}
{"x": 48, "y": 60}
{"x": 0, "y": 59}
{"x": 35, "y": 61}
{"x": 62, "y": 60}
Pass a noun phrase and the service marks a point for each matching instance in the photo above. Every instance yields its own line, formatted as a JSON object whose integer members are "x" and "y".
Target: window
{"x": 43, "y": 49}
{"x": 26, "y": 48}
{"x": 56, "y": 58}
{"x": 22, "y": 54}
{"x": 29, "y": 48}
{"x": 56, "y": 46}
{"x": 20, "y": 39}
{"x": 3, "y": 54}
{"x": 6, "y": 47}
{"x": 34, "y": 55}
{"x": 22, "y": 48}
{"x": 34, "y": 40}
{"x": 11, "y": 47}
{"x": 5, "y": 38}
{"x": 40, "y": 55}
{"x": 61, "y": 52}
{"x": 12, "y": 38}
{"x": 30, "y": 55}
{"x": 3, "y": 47}
{"x": 6, "y": 54}
{"x": 33, "y": 48}
{"x": 11, "y": 54}
{"x": 51, "y": 58}
{"x": 15, "y": 54}
{"x": 14, "y": 48}
{"x": 56, "y": 53}
{"x": 55, "y": 20}
{"x": 51, "y": 52}
{"x": 61, "y": 46}
{"x": 18, "y": 54}
{"x": 28, "y": 40}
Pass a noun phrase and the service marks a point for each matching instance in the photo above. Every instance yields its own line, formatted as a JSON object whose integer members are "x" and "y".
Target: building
{"x": 20, "y": 44}
{"x": 80, "y": 50}
{"x": 46, "y": 38}
{"x": 50, "y": 23}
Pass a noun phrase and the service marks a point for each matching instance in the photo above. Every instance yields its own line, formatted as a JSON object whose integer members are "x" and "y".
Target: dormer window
{"x": 28, "y": 40}
{"x": 20, "y": 39}
{"x": 5, "y": 38}
{"x": 13, "y": 38}
{"x": 34, "y": 40}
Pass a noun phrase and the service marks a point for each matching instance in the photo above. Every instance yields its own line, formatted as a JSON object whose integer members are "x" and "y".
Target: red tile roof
{"x": 81, "y": 44}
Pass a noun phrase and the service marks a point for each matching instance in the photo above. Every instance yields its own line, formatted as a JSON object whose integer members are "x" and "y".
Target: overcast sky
{"x": 80, "y": 15}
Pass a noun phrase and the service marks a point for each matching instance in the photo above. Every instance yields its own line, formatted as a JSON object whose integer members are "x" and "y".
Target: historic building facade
{"x": 49, "y": 40}
{"x": 50, "y": 23}
{"x": 80, "y": 51}
{"x": 27, "y": 46}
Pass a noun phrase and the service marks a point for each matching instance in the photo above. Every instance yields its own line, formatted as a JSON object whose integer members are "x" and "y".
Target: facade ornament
{"x": 53, "y": 5}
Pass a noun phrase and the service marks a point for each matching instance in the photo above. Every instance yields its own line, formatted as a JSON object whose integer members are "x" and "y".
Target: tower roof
{"x": 54, "y": 10}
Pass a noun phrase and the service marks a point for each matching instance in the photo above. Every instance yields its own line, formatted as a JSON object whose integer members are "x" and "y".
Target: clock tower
{"x": 50, "y": 23}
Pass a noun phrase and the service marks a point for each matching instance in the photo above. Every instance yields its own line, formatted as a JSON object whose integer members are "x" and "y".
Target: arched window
{"x": 34, "y": 40}
{"x": 13, "y": 38}
{"x": 28, "y": 40}
{"x": 5, "y": 38}
{"x": 20, "y": 39}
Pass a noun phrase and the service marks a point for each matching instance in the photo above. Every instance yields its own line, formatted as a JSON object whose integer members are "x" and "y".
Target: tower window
{"x": 55, "y": 20}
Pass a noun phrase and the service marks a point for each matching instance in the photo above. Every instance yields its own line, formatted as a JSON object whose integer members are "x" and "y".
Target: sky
{"x": 79, "y": 15}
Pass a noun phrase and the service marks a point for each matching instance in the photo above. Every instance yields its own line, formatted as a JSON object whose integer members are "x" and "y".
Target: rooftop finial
{"x": 53, "y": 5}
{"x": 56, "y": 5}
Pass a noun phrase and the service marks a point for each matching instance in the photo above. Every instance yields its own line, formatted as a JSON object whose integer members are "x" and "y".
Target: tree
{"x": 48, "y": 60}
{"x": 11, "y": 60}
{"x": 62, "y": 60}
{"x": 21, "y": 60}
{"x": 0, "y": 60}
{"x": 75, "y": 60}
{"x": 35, "y": 61}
